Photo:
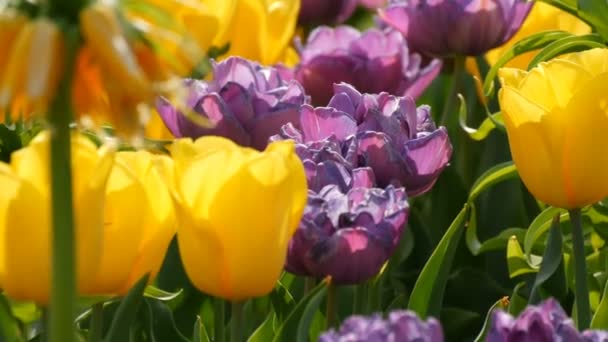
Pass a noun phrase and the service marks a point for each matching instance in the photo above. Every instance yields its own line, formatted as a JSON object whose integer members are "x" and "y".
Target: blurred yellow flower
{"x": 260, "y": 30}
{"x": 556, "y": 117}
{"x": 25, "y": 215}
{"x": 139, "y": 223}
{"x": 542, "y": 17}
{"x": 31, "y": 63}
{"x": 237, "y": 209}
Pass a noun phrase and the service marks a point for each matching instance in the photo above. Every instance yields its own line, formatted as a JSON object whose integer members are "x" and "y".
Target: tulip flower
{"x": 542, "y": 17}
{"x": 237, "y": 208}
{"x": 400, "y": 325}
{"x": 556, "y": 115}
{"x": 348, "y": 236}
{"x": 139, "y": 223}
{"x": 326, "y": 12}
{"x": 446, "y": 28}
{"x": 398, "y": 141}
{"x": 28, "y": 83}
{"x": 25, "y": 216}
{"x": 246, "y": 102}
{"x": 373, "y": 61}
{"x": 261, "y": 30}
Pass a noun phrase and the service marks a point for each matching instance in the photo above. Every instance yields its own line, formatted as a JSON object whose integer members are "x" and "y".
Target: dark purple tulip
{"x": 544, "y": 323}
{"x": 373, "y": 61}
{"x": 445, "y": 28}
{"x": 326, "y": 12}
{"x": 398, "y": 141}
{"x": 247, "y": 103}
{"x": 402, "y": 326}
{"x": 347, "y": 236}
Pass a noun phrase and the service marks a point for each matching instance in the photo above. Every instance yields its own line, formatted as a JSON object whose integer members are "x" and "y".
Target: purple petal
{"x": 322, "y": 122}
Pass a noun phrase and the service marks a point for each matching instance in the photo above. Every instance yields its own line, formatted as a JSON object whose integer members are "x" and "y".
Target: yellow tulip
{"x": 542, "y": 17}
{"x": 262, "y": 30}
{"x": 33, "y": 65}
{"x": 139, "y": 223}
{"x": 237, "y": 209}
{"x": 556, "y": 117}
{"x": 25, "y": 215}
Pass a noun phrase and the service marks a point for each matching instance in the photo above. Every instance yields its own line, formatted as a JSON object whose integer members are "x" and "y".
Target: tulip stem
{"x": 219, "y": 311}
{"x": 455, "y": 83}
{"x": 331, "y": 305}
{"x": 236, "y": 322}
{"x": 62, "y": 307}
{"x": 309, "y": 284}
{"x": 581, "y": 290}
{"x": 361, "y": 298}
{"x": 96, "y": 327}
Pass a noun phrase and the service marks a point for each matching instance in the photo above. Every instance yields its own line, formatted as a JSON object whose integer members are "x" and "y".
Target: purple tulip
{"x": 544, "y": 323}
{"x": 595, "y": 336}
{"x": 398, "y": 141}
{"x": 373, "y": 61}
{"x": 444, "y": 28}
{"x": 372, "y": 4}
{"x": 326, "y": 12}
{"x": 403, "y": 326}
{"x": 347, "y": 236}
{"x": 247, "y": 103}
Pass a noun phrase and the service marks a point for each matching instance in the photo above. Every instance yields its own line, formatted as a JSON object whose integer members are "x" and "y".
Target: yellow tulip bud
{"x": 25, "y": 215}
{"x": 139, "y": 223}
{"x": 237, "y": 210}
{"x": 32, "y": 71}
{"x": 556, "y": 117}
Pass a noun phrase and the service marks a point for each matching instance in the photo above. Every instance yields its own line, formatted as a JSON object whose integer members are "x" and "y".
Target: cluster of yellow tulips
{"x": 128, "y": 206}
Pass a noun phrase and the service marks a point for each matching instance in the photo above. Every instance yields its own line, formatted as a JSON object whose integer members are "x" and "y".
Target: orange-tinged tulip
{"x": 237, "y": 209}
{"x": 556, "y": 117}
{"x": 32, "y": 68}
{"x": 25, "y": 215}
{"x": 139, "y": 223}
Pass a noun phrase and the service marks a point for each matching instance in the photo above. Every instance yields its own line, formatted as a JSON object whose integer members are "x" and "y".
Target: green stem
{"x": 236, "y": 322}
{"x": 581, "y": 290}
{"x": 309, "y": 284}
{"x": 455, "y": 84}
{"x": 360, "y": 300}
{"x": 331, "y": 305}
{"x": 63, "y": 277}
{"x": 219, "y": 311}
{"x": 96, "y": 329}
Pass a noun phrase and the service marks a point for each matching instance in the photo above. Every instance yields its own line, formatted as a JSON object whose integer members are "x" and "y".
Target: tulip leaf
{"x": 567, "y": 45}
{"x": 498, "y": 242}
{"x": 126, "y": 312}
{"x": 200, "y": 332}
{"x": 499, "y": 304}
{"x": 552, "y": 257}
{"x": 9, "y": 327}
{"x": 308, "y": 315}
{"x": 163, "y": 324}
{"x": 517, "y": 302}
{"x": 162, "y": 295}
{"x": 600, "y": 318}
{"x": 484, "y": 129}
{"x": 427, "y": 296}
{"x": 265, "y": 332}
{"x": 290, "y": 325}
{"x": 516, "y": 261}
{"x": 530, "y": 43}
{"x": 9, "y": 141}
{"x": 495, "y": 174}
{"x": 594, "y": 12}
{"x": 541, "y": 225}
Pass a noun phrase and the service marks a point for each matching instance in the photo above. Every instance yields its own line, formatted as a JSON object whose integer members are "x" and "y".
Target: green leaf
{"x": 516, "y": 261}
{"x": 126, "y": 312}
{"x": 163, "y": 324}
{"x": 9, "y": 327}
{"x": 530, "y": 43}
{"x": 290, "y": 325}
{"x": 162, "y": 295}
{"x": 309, "y": 313}
{"x": 539, "y": 226}
{"x": 426, "y": 298}
{"x": 517, "y": 302}
{"x": 265, "y": 331}
{"x": 496, "y": 174}
{"x": 26, "y": 312}
{"x": 600, "y": 318}
{"x": 200, "y": 333}
{"x": 499, "y": 242}
{"x": 282, "y": 300}
{"x": 595, "y": 13}
{"x": 487, "y": 125}
{"x": 499, "y": 304}
{"x": 567, "y": 45}
{"x": 552, "y": 257}
{"x": 454, "y": 320}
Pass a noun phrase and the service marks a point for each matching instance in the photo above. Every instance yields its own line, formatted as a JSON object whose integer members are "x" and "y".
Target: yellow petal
{"x": 246, "y": 34}
{"x": 9, "y": 184}
{"x": 282, "y": 17}
{"x": 594, "y": 61}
